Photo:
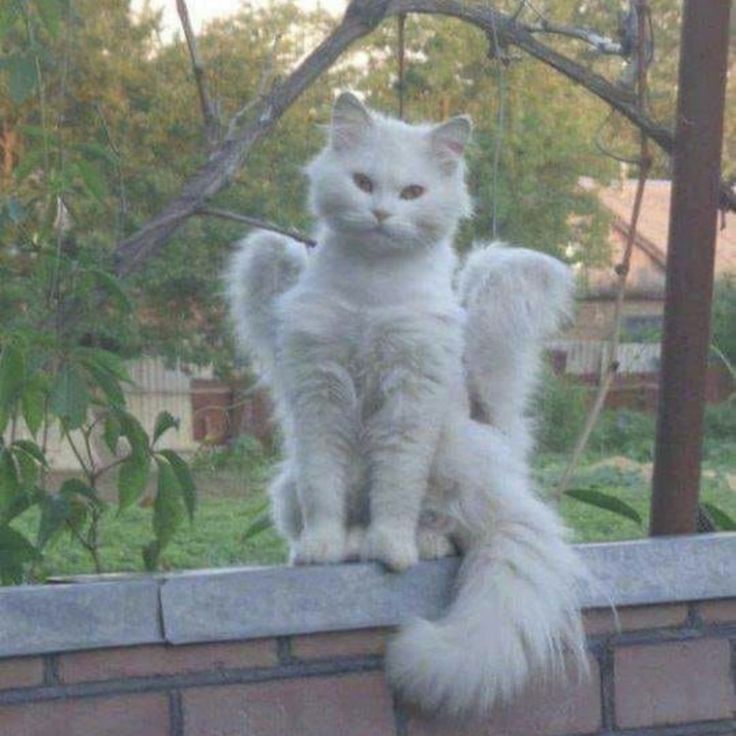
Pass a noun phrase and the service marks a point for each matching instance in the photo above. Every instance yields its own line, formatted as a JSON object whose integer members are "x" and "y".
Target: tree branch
{"x": 209, "y": 110}
{"x": 602, "y": 44}
{"x": 255, "y": 222}
{"x": 360, "y": 18}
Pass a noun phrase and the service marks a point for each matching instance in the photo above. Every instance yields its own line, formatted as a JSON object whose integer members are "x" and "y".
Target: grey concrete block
{"x": 232, "y": 604}
{"x": 661, "y": 570}
{"x": 56, "y": 618}
{"x": 217, "y": 605}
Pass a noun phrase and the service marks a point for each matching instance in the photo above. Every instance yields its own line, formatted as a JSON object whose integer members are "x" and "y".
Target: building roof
{"x": 653, "y": 224}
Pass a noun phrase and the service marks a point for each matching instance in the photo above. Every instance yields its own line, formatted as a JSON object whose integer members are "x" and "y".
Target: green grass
{"x": 232, "y": 494}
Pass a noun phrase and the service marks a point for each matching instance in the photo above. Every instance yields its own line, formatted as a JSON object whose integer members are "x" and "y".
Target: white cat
{"x": 374, "y": 359}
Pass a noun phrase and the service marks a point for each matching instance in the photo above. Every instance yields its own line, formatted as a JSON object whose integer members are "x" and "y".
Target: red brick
{"x": 21, "y": 672}
{"x": 129, "y": 715}
{"x": 110, "y": 664}
{"x": 348, "y": 705}
{"x": 673, "y": 683}
{"x": 634, "y": 618}
{"x": 574, "y": 707}
{"x": 719, "y": 612}
{"x": 340, "y": 644}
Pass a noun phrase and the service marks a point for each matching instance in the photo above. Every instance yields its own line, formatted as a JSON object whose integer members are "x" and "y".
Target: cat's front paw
{"x": 394, "y": 547}
{"x": 319, "y": 546}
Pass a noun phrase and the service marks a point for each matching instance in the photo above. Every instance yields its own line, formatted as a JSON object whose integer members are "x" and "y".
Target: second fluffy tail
{"x": 264, "y": 266}
{"x": 514, "y": 299}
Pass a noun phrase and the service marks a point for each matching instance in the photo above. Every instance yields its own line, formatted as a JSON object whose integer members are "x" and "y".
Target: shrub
{"x": 560, "y": 407}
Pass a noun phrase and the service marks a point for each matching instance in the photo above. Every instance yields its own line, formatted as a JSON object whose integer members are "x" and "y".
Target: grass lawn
{"x": 232, "y": 495}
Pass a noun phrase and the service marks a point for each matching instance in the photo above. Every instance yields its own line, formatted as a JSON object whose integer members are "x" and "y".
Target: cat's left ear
{"x": 449, "y": 140}
{"x": 350, "y": 121}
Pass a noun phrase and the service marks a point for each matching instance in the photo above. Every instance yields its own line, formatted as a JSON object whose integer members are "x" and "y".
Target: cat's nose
{"x": 381, "y": 215}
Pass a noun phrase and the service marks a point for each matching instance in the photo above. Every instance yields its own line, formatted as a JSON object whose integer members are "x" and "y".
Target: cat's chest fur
{"x": 378, "y": 333}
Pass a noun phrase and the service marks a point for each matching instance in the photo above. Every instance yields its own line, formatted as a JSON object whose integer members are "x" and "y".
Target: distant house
{"x": 582, "y": 350}
{"x": 644, "y": 304}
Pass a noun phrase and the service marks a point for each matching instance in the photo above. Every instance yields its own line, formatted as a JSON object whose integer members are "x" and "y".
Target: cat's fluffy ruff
{"x": 366, "y": 353}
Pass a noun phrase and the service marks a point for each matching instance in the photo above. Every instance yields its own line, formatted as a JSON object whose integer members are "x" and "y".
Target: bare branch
{"x": 209, "y": 110}
{"x": 360, "y": 18}
{"x": 255, "y": 222}
{"x": 265, "y": 80}
{"x": 601, "y": 44}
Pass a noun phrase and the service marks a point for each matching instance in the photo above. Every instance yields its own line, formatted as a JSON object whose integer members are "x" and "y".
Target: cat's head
{"x": 388, "y": 185}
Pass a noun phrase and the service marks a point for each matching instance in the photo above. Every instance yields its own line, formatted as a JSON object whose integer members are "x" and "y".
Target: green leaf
{"x": 104, "y": 359}
{"x": 132, "y": 478}
{"x": 15, "y": 552}
{"x": 32, "y": 449}
{"x": 113, "y": 286}
{"x": 605, "y": 501}
{"x": 32, "y": 404}
{"x": 167, "y": 508}
{"x": 12, "y": 375}
{"x": 69, "y": 396}
{"x": 723, "y": 521}
{"x": 260, "y": 523}
{"x": 111, "y": 433}
{"x": 9, "y": 484}
{"x": 186, "y": 482}
{"x": 23, "y": 79}
{"x": 164, "y": 421}
{"x": 55, "y": 511}
{"x": 75, "y": 487}
{"x": 93, "y": 180}
{"x": 108, "y": 382}
{"x": 132, "y": 430}
{"x": 28, "y": 470}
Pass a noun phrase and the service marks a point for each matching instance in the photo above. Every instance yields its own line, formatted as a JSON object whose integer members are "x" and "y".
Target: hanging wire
{"x": 401, "y": 55}
{"x": 498, "y": 54}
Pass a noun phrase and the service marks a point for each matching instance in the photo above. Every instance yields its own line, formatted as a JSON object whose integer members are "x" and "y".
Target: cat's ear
{"x": 449, "y": 140}
{"x": 350, "y": 121}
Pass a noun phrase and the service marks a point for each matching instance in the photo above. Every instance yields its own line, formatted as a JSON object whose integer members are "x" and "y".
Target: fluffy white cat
{"x": 374, "y": 360}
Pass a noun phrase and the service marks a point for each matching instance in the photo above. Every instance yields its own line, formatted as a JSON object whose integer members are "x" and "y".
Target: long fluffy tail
{"x": 514, "y": 298}
{"x": 515, "y": 616}
{"x": 264, "y": 266}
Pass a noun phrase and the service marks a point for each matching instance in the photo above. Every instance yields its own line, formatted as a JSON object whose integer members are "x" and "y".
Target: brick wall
{"x": 666, "y": 670}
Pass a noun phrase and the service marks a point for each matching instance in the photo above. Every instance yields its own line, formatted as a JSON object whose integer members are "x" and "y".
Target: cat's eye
{"x": 363, "y": 182}
{"x": 413, "y": 191}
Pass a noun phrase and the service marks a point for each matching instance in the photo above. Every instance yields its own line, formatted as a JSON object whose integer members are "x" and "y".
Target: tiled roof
{"x": 654, "y": 219}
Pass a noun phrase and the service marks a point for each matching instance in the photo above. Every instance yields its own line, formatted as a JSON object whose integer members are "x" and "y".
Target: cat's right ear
{"x": 350, "y": 121}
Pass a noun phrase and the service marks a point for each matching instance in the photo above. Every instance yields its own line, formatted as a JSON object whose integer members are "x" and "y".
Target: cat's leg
{"x": 321, "y": 430}
{"x": 285, "y": 508}
{"x": 402, "y": 437}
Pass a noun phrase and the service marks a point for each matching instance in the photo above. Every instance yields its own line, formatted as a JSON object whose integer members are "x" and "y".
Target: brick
{"x": 111, "y": 664}
{"x": 358, "y": 705}
{"x": 340, "y": 644}
{"x": 719, "y": 612}
{"x": 600, "y": 621}
{"x": 673, "y": 683}
{"x": 129, "y": 715}
{"x": 554, "y": 710}
{"x": 21, "y": 672}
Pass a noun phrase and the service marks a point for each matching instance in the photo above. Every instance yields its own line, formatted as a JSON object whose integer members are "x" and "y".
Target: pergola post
{"x": 690, "y": 265}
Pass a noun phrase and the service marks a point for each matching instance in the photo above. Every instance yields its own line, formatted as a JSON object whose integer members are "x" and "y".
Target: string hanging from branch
{"x": 401, "y": 50}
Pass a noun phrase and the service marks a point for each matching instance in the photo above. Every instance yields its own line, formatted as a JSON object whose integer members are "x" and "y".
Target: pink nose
{"x": 381, "y": 215}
